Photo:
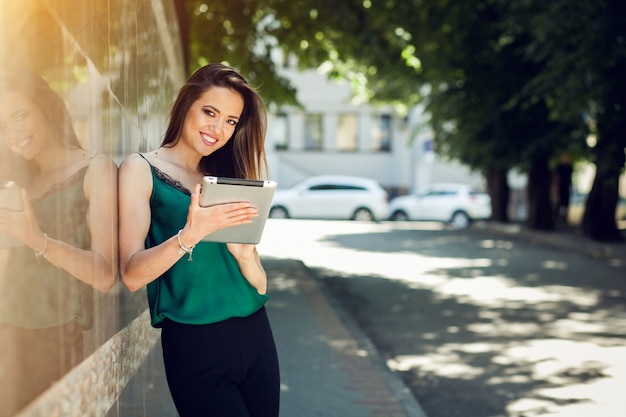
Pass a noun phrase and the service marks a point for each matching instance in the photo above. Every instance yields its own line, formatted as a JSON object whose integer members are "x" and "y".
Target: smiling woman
{"x": 218, "y": 347}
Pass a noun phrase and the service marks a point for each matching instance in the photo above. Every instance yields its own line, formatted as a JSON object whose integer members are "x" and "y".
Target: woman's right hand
{"x": 202, "y": 221}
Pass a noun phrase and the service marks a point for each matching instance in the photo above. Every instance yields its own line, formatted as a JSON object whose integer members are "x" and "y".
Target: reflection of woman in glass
{"x": 66, "y": 238}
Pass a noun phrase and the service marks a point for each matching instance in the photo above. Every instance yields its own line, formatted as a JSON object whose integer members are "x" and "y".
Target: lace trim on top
{"x": 169, "y": 180}
{"x": 55, "y": 188}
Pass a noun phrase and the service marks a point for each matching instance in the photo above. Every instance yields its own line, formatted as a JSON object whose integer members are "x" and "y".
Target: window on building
{"x": 347, "y": 132}
{"x": 279, "y": 131}
{"x": 313, "y": 132}
{"x": 380, "y": 133}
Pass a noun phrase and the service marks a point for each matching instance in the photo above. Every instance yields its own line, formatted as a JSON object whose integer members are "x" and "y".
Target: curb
{"x": 395, "y": 384}
{"x": 614, "y": 252}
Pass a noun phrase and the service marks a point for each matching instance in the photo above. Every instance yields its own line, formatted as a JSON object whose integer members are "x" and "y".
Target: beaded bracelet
{"x": 42, "y": 252}
{"x": 184, "y": 249}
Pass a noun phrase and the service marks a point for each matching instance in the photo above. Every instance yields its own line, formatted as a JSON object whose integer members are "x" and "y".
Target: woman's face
{"x": 23, "y": 126}
{"x": 211, "y": 120}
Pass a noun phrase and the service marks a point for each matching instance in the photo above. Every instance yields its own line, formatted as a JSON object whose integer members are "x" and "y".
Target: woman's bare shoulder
{"x": 135, "y": 163}
{"x": 135, "y": 173}
{"x": 101, "y": 162}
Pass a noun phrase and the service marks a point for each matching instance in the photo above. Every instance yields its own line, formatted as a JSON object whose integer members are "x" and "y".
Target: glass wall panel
{"x": 82, "y": 85}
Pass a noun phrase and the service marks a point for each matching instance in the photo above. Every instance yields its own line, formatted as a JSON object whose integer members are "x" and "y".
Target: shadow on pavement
{"x": 496, "y": 326}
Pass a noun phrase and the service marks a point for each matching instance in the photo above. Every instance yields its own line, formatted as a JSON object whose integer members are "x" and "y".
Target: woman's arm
{"x": 97, "y": 265}
{"x": 140, "y": 266}
{"x": 101, "y": 191}
{"x": 250, "y": 265}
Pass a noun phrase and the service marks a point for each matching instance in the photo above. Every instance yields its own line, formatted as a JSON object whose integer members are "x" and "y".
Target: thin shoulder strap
{"x": 146, "y": 159}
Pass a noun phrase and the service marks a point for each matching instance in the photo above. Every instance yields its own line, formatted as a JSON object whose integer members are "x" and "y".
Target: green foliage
{"x": 354, "y": 41}
{"x": 485, "y": 62}
{"x": 234, "y": 32}
{"x": 509, "y": 83}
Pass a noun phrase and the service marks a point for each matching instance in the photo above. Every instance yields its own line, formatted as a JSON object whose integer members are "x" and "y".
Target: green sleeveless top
{"x": 40, "y": 295}
{"x": 206, "y": 290}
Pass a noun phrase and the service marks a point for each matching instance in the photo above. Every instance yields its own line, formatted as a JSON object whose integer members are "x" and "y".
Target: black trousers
{"x": 225, "y": 369}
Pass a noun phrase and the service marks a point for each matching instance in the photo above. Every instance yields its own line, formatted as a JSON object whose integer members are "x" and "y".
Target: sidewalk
{"x": 328, "y": 368}
{"x": 566, "y": 239}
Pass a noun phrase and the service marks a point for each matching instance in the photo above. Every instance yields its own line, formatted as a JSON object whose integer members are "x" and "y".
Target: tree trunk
{"x": 599, "y": 218}
{"x": 540, "y": 213}
{"x": 498, "y": 189}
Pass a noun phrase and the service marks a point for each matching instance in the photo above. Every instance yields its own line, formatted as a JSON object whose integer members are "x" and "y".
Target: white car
{"x": 332, "y": 197}
{"x": 455, "y": 204}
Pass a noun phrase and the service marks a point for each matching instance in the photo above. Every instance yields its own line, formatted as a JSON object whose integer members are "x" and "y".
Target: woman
{"x": 62, "y": 242}
{"x": 218, "y": 349}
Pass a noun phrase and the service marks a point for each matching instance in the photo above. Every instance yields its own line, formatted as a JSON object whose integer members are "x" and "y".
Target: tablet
{"x": 221, "y": 190}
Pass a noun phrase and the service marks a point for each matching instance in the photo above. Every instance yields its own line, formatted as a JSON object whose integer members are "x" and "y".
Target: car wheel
{"x": 279, "y": 212}
{"x": 399, "y": 216}
{"x": 363, "y": 214}
{"x": 460, "y": 220}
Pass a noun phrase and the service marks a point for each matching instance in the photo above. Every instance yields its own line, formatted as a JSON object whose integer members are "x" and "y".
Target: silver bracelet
{"x": 184, "y": 249}
{"x": 42, "y": 252}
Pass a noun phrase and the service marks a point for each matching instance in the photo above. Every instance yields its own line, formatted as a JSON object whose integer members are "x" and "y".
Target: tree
{"x": 356, "y": 43}
{"x": 499, "y": 96}
{"x": 582, "y": 44}
{"x": 477, "y": 110}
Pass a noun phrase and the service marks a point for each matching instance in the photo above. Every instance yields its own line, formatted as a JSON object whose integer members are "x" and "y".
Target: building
{"x": 332, "y": 134}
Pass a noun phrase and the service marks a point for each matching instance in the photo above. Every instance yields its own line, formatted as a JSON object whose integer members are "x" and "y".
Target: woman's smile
{"x": 213, "y": 116}
{"x": 24, "y": 142}
{"x": 207, "y": 139}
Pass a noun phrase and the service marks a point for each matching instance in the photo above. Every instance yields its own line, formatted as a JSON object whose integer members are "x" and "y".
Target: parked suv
{"x": 332, "y": 197}
{"x": 456, "y": 204}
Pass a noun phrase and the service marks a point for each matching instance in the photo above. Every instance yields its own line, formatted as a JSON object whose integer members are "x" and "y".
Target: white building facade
{"x": 332, "y": 135}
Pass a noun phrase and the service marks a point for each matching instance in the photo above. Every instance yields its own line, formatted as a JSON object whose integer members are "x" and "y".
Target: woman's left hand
{"x": 250, "y": 265}
{"x": 241, "y": 251}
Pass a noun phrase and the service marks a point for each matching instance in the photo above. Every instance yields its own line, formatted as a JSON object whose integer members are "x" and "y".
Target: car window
{"x": 326, "y": 187}
{"x": 448, "y": 192}
{"x": 440, "y": 193}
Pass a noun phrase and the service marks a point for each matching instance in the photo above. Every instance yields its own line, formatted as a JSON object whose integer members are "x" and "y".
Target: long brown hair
{"x": 244, "y": 154}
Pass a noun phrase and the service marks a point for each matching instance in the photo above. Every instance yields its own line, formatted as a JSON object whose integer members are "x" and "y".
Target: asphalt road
{"x": 477, "y": 324}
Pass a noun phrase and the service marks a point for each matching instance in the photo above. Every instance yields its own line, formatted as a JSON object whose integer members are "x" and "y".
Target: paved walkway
{"x": 565, "y": 239}
{"x": 328, "y": 368}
